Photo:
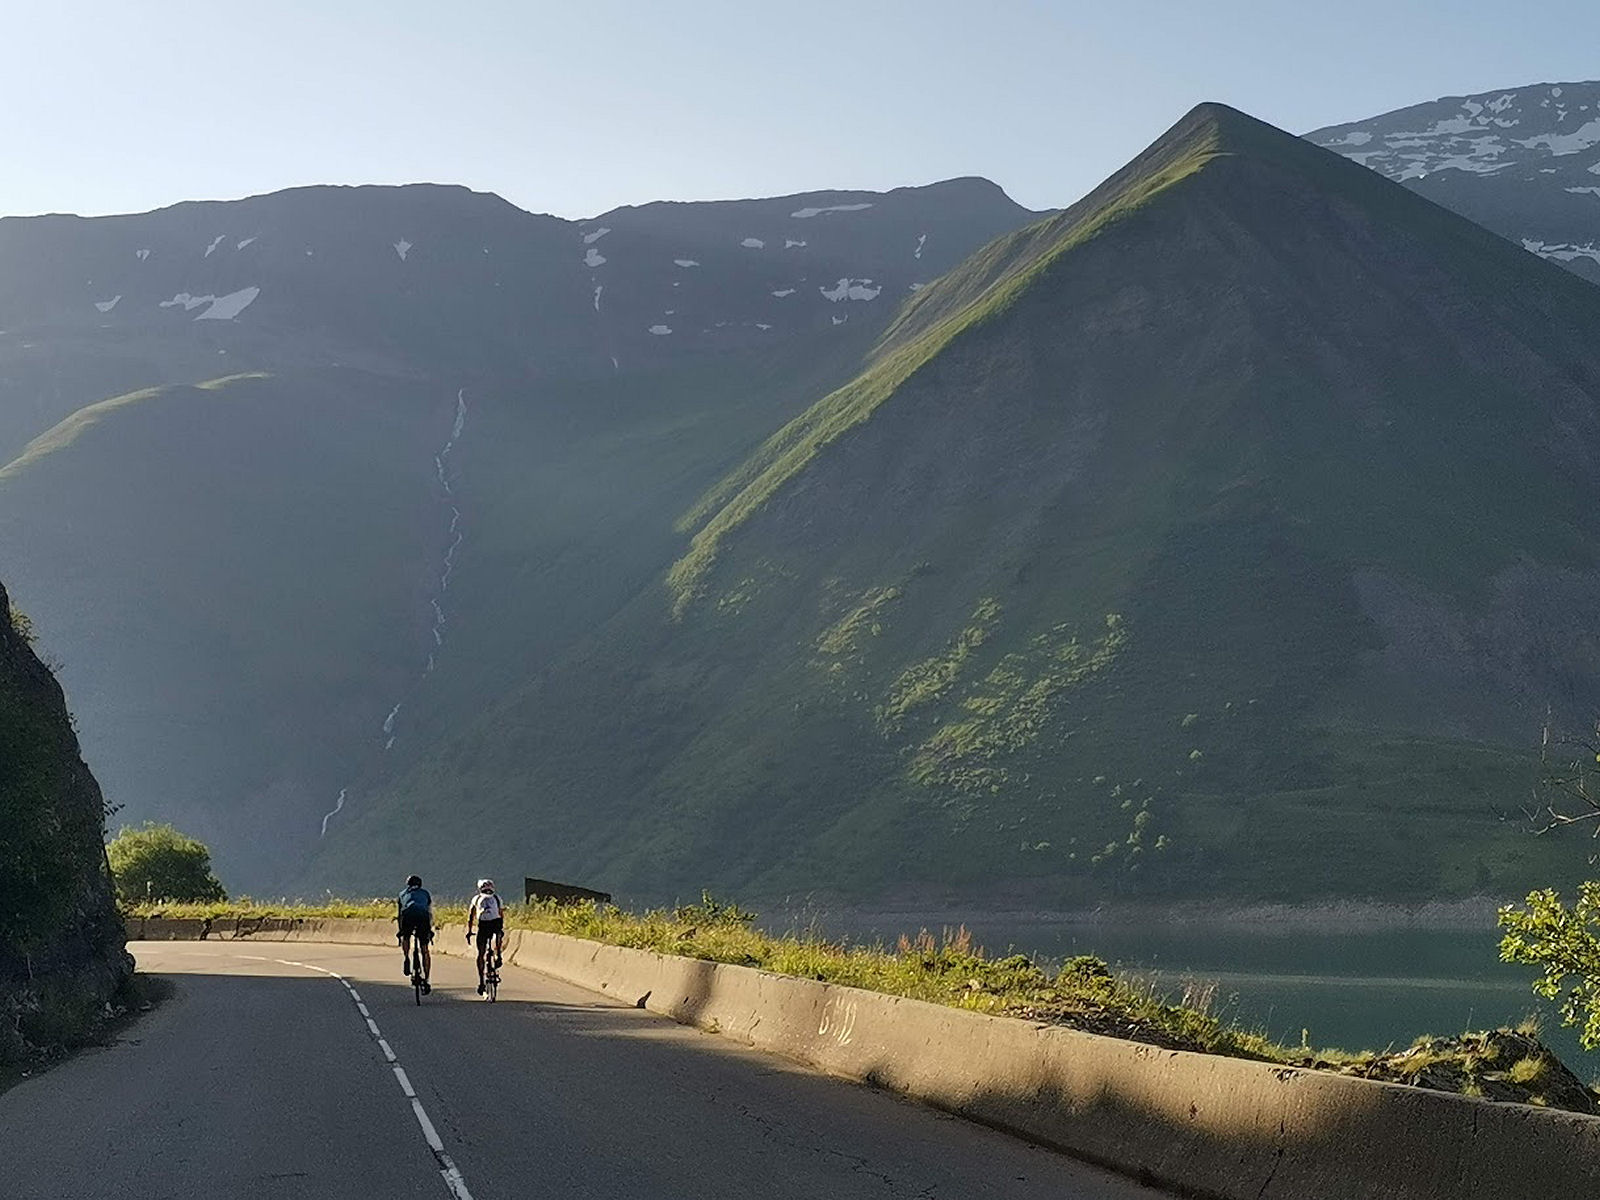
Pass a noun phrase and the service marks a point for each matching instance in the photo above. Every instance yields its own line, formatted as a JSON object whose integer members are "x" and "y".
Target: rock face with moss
{"x": 62, "y": 955}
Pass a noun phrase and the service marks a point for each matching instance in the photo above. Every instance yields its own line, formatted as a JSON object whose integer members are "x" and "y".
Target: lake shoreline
{"x": 1327, "y": 917}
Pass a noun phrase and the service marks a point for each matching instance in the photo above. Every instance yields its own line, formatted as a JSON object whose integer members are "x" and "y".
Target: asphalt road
{"x": 264, "y": 1079}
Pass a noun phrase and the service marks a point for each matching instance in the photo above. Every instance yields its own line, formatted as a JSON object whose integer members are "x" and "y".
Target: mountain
{"x": 1224, "y": 535}
{"x": 295, "y": 485}
{"x": 1524, "y": 162}
{"x": 61, "y": 939}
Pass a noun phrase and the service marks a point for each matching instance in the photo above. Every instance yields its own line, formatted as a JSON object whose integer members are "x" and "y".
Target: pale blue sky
{"x": 574, "y": 108}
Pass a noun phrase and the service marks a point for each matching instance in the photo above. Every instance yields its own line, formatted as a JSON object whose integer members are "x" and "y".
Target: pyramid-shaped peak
{"x": 1212, "y": 127}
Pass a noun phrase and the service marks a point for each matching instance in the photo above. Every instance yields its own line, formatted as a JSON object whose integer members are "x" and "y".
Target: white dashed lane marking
{"x": 448, "y": 1170}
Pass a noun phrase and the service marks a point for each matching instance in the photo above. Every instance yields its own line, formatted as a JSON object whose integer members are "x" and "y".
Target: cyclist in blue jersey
{"x": 416, "y": 924}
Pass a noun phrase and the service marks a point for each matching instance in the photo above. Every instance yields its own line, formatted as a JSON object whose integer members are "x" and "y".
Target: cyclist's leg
{"x": 405, "y": 950}
{"x": 425, "y": 949}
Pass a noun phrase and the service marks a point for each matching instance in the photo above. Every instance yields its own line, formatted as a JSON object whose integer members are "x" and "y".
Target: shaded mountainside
{"x": 301, "y": 483}
{"x": 1225, "y": 535}
{"x": 1524, "y": 162}
{"x": 61, "y": 939}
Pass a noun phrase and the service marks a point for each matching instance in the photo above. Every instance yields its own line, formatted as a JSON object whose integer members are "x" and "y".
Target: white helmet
{"x": 486, "y": 883}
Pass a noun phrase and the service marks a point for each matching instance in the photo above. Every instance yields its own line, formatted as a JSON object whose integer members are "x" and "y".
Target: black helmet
{"x": 414, "y": 881}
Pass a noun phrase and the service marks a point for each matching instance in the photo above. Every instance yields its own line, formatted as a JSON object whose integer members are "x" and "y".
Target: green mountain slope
{"x": 269, "y": 536}
{"x": 1223, "y": 535}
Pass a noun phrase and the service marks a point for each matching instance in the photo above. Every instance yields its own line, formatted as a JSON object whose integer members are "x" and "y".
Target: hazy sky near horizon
{"x": 575, "y": 109}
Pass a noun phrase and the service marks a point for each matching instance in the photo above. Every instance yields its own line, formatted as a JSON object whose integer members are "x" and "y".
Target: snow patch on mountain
{"x": 753, "y": 243}
{"x": 793, "y": 243}
{"x": 1561, "y": 251}
{"x": 782, "y": 292}
{"x": 141, "y": 255}
{"x": 851, "y": 289}
{"x": 807, "y": 213}
{"x": 186, "y": 300}
{"x": 590, "y": 239}
{"x": 598, "y": 288}
{"x": 244, "y": 243}
{"x": 593, "y": 258}
{"x": 226, "y": 308}
{"x": 660, "y": 330}
{"x": 215, "y": 242}
{"x": 1582, "y": 138}
{"x": 686, "y": 262}
{"x": 106, "y": 306}
{"x": 402, "y": 248}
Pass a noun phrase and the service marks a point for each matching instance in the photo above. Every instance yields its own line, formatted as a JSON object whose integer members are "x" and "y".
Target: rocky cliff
{"x": 61, "y": 940}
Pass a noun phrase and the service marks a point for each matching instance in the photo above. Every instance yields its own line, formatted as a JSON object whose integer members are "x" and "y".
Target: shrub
{"x": 158, "y": 862}
{"x": 1562, "y": 941}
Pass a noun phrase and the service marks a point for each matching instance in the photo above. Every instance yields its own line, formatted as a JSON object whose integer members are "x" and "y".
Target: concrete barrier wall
{"x": 1207, "y": 1125}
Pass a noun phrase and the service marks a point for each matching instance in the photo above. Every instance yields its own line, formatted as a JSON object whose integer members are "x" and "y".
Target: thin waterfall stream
{"x": 441, "y": 467}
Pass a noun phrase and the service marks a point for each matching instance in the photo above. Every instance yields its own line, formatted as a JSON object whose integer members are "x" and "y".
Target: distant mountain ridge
{"x": 1225, "y": 534}
{"x": 296, "y": 483}
{"x": 1522, "y": 161}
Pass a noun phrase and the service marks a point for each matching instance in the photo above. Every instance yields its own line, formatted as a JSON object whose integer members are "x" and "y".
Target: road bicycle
{"x": 488, "y": 971}
{"x": 419, "y": 983}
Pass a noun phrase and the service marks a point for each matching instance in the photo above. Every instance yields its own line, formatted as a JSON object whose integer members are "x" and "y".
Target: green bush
{"x": 1564, "y": 943}
{"x": 157, "y": 862}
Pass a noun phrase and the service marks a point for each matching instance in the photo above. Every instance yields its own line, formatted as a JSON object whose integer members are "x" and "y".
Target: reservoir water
{"x": 1353, "y": 990}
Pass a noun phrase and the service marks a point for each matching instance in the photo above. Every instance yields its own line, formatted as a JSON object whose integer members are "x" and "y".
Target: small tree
{"x": 1563, "y": 942}
{"x": 157, "y": 862}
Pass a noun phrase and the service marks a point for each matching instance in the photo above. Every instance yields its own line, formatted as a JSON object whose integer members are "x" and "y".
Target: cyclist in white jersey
{"x": 488, "y": 914}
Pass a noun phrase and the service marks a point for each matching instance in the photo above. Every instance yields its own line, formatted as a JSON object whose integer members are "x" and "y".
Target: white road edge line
{"x": 448, "y": 1170}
